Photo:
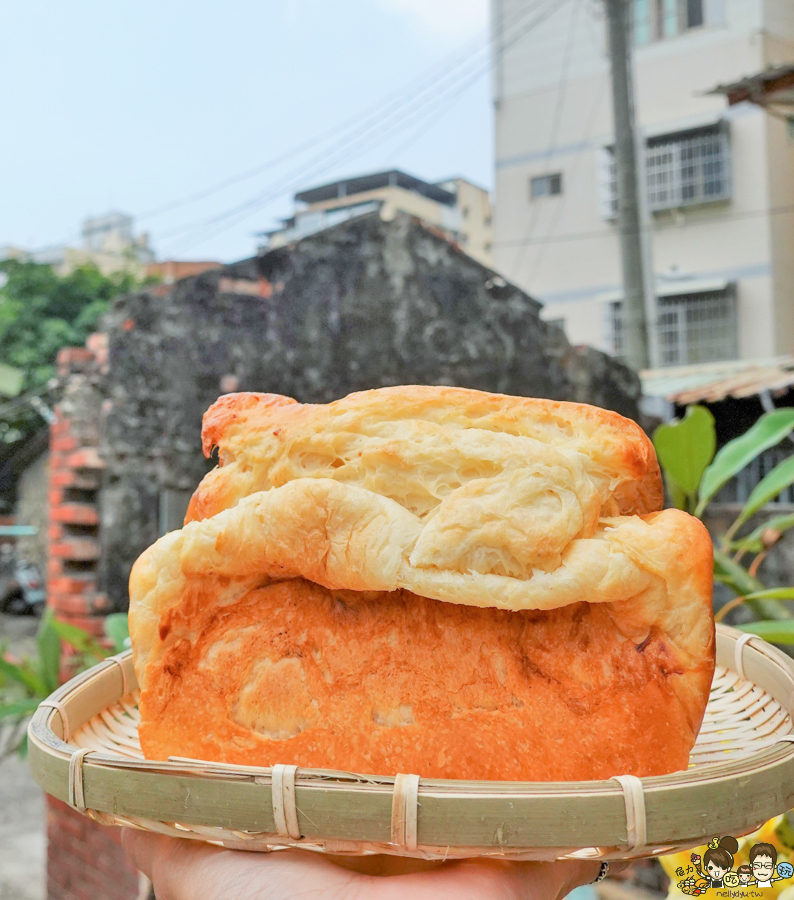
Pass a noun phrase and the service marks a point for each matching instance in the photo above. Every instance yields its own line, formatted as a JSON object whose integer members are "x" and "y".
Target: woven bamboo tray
{"x": 84, "y": 750}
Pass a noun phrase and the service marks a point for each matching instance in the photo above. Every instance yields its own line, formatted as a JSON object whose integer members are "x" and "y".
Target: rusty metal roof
{"x": 773, "y": 85}
{"x": 712, "y": 382}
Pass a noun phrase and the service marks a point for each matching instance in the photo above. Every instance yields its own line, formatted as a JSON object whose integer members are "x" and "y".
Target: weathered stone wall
{"x": 362, "y": 305}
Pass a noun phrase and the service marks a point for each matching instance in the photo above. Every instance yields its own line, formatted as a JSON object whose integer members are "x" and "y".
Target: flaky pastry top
{"x": 450, "y": 494}
{"x": 438, "y": 452}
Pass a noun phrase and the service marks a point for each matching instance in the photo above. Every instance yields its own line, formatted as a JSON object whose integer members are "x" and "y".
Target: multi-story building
{"x": 108, "y": 243}
{"x": 720, "y": 179}
{"x": 457, "y": 207}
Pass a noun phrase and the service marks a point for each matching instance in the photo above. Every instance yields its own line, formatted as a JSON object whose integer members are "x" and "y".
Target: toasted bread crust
{"x": 265, "y": 440}
{"x": 573, "y": 639}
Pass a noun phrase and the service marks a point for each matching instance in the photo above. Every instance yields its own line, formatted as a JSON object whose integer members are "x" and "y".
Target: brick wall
{"x": 75, "y": 479}
{"x": 85, "y": 860}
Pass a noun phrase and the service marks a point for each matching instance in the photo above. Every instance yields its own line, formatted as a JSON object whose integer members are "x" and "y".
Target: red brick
{"x": 68, "y": 356}
{"x": 54, "y": 496}
{"x": 85, "y": 458}
{"x": 76, "y": 548}
{"x": 92, "y": 624}
{"x": 64, "y": 443}
{"x": 75, "y": 514}
{"x": 59, "y": 427}
{"x": 97, "y": 341}
{"x": 101, "y": 604}
{"x": 69, "y": 604}
{"x": 54, "y": 532}
{"x": 54, "y": 568}
{"x": 67, "y": 585}
{"x": 79, "y": 478}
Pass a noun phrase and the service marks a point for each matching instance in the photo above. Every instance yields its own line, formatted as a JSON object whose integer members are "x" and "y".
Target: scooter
{"x": 24, "y": 593}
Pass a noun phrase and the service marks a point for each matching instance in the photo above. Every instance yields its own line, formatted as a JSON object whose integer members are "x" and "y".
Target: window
{"x": 656, "y": 20}
{"x": 545, "y": 185}
{"x": 683, "y": 169}
{"x": 691, "y": 328}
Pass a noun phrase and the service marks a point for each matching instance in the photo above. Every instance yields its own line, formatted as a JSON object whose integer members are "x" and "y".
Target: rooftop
{"x": 773, "y": 85}
{"x": 712, "y": 382}
{"x": 391, "y": 178}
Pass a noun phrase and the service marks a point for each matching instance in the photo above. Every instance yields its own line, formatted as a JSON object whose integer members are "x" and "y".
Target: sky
{"x": 157, "y": 108}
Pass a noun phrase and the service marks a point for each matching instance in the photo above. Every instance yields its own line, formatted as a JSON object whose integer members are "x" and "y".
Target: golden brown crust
{"x": 300, "y": 600}
{"x": 385, "y": 683}
{"x": 415, "y": 442}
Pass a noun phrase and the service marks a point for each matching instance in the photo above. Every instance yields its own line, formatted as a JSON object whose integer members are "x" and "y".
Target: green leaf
{"x": 686, "y": 447}
{"x": 117, "y": 628}
{"x": 769, "y": 430}
{"x": 775, "y": 632}
{"x": 729, "y": 572}
{"x": 752, "y": 543}
{"x": 49, "y": 652}
{"x": 767, "y": 488}
{"x": 79, "y": 639}
{"x": 24, "y": 674}
{"x": 786, "y": 593}
{"x": 18, "y": 710}
{"x": 678, "y": 496}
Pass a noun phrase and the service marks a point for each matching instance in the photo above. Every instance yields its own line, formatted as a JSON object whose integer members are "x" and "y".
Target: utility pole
{"x": 639, "y": 302}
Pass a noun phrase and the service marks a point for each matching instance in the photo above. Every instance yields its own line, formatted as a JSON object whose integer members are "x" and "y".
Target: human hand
{"x": 189, "y": 870}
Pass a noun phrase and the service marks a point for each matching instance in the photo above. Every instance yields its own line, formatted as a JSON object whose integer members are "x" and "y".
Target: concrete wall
{"x": 555, "y": 116}
{"x": 32, "y": 508}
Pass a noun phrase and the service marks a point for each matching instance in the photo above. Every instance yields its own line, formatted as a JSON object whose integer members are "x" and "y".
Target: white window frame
{"x": 680, "y": 336}
{"x": 698, "y": 170}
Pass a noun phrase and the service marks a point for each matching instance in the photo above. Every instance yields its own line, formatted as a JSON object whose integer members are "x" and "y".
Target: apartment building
{"x": 457, "y": 207}
{"x": 720, "y": 179}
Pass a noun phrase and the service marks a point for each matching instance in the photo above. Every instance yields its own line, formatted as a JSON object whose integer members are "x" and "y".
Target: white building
{"x": 108, "y": 243}
{"x": 457, "y": 207}
{"x": 720, "y": 179}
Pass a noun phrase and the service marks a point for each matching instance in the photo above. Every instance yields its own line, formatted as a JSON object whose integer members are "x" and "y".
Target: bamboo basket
{"x": 84, "y": 750}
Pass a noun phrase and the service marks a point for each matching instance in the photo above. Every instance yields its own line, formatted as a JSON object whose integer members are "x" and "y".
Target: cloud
{"x": 448, "y": 20}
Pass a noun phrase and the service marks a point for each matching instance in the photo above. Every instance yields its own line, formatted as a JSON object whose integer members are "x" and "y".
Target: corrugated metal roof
{"x": 711, "y": 382}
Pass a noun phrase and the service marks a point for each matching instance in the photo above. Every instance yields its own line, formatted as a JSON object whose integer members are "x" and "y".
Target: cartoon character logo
{"x": 716, "y": 869}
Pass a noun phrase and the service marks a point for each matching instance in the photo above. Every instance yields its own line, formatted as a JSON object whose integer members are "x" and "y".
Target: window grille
{"x": 691, "y": 328}
{"x": 655, "y": 20}
{"x": 545, "y": 185}
{"x": 684, "y": 169}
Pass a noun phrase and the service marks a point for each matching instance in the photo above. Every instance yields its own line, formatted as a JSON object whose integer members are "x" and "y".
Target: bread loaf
{"x": 428, "y": 580}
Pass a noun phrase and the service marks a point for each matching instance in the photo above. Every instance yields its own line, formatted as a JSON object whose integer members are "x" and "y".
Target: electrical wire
{"x": 605, "y": 233}
{"x": 292, "y": 152}
{"x": 570, "y": 175}
{"x": 457, "y": 83}
{"x": 380, "y": 125}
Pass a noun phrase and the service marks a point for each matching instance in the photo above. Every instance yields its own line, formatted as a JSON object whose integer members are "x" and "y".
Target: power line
{"x": 292, "y": 152}
{"x": 570, "y": 174}
{"x": 323, "y": 162}
{"x": 457, "y": 82}
{"x": 587, "y": 235}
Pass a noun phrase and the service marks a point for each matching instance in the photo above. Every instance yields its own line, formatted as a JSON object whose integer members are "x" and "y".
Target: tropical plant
{"x": 694, "y": 474}
{"x": 24, "y": 683}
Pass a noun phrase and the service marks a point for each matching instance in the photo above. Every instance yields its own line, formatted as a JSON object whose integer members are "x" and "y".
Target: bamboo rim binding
{"x": 745, "y": 721}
